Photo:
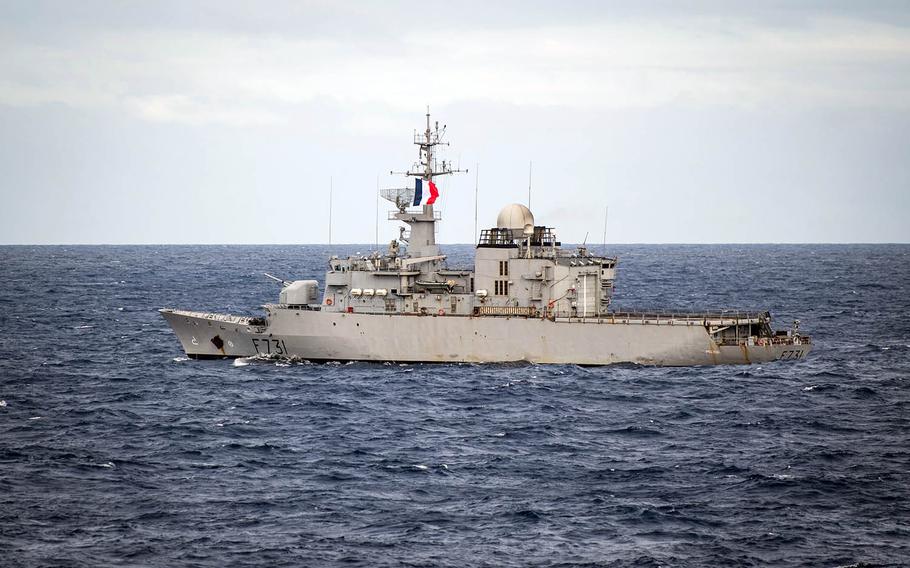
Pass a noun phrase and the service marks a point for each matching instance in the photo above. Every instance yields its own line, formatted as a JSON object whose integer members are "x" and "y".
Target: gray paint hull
{"x": 319, "y": 335}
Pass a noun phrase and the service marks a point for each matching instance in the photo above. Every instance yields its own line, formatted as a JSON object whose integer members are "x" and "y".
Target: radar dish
{"x": 402, "y": 197}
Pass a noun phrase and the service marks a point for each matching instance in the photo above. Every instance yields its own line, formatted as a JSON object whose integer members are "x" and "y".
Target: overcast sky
{"x": 223, "y": 121}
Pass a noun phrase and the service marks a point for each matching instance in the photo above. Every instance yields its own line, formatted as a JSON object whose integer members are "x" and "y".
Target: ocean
{"x": 115, "y": 450}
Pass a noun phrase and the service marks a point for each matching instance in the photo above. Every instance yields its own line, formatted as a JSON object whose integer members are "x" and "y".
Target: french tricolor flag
{"x": 418, "y": 192}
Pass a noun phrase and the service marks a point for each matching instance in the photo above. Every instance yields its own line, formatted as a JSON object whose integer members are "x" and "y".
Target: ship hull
{"x": 339, "y": 336}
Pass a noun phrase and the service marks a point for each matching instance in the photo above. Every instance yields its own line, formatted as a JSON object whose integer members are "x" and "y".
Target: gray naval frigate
{"x": 527, "y": 299}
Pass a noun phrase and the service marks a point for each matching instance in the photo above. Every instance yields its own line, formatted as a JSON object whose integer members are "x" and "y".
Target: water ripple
{"x": 115, "y": 449}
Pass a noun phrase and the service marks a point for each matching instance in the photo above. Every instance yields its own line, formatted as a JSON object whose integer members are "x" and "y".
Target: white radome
{"x": 516, "y": 217}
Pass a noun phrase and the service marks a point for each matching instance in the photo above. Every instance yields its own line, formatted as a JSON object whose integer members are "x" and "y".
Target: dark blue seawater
{"x": 115, "y": 450}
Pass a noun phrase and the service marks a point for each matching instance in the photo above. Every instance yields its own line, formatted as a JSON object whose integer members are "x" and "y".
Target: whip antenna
{"x": 330, "y": 209}
{"x": 476, "y": 182}
{"x": 530, "y": 165}
{"x": 377, "y": 213}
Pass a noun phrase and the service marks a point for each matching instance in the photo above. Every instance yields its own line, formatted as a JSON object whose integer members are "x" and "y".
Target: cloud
{"x": 199, "y": 76}
{"x": 183, "y": 109}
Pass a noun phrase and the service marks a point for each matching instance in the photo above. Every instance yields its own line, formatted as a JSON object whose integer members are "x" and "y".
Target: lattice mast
{"x": 427, "y": 143}
{"x": 425, "y": 168}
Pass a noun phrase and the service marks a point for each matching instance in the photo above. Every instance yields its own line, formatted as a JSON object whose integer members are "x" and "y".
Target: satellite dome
{"x": 516, "y": 217}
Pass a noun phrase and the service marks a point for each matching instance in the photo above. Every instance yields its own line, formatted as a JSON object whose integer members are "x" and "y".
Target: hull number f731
{"x": 791, "y": 354}
{"x": 270, "y": 346}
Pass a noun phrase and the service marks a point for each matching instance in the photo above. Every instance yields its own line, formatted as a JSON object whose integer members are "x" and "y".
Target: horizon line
{"x": 373, "y": 245}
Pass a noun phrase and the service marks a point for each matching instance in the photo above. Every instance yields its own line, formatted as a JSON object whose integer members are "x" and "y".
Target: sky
{"x": 227, "y": 122}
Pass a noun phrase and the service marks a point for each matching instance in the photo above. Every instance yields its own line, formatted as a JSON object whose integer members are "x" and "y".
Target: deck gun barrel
{"x": 276, "y": 279}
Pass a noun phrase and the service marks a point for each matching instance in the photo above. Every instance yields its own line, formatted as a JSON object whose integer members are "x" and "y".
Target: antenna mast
{"x": 330, "y": 209}
{"x": 425, "y": 168}
{"x": 377, "y": 213}
{"x": 476, "y": 182}
{"x": 530, "y": 165}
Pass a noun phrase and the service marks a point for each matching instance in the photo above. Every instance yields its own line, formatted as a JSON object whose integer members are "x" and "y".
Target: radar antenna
{"x": 402, "y": 197}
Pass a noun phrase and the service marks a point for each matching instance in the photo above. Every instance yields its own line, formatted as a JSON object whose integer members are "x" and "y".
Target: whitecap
{"x": 180, "y": 359}
{"x": 2, "y": 403}
{"x": 106, "y": 464}
{"x": 420, "y": 466}
{"x": 84, "y": 327}
{"x": 241, "y": 361}
{"x": 35, "y": 418}
{"x": 810, "y": 387}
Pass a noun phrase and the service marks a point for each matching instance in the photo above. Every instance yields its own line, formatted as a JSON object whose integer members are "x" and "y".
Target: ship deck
{"x": 715, "y": 318}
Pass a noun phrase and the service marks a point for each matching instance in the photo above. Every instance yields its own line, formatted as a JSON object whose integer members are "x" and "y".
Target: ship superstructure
{"x": 526, "y": 299}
